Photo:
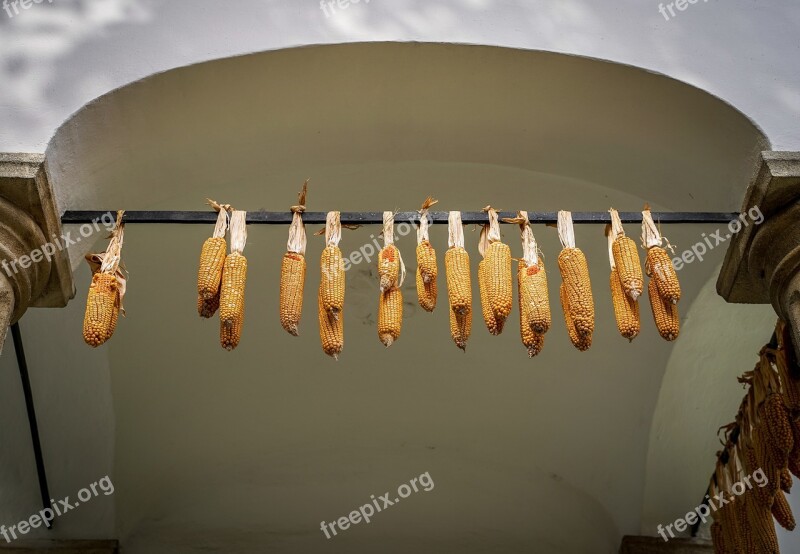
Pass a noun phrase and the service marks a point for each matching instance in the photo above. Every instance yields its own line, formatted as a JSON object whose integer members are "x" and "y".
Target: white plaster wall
{"x": 55, "y": 57}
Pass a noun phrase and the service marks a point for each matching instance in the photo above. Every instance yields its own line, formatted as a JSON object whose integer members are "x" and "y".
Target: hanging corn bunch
{"x": 104, "y": 300}
{"x": 234, "y": 279}
{"x": 658, "y": 264}
{"x": 534, "y": 303}
{"x": 390, "y": 301}
{"x": 497, "y": 272}
{"x": 427, "y": 269}
{"x": 576, "y": 288}
{"x": 212, "y": 259}
{"x": 331, "y": 289}
{"x": 459, "y": 282}
{"x": 293, "y": 269}
{"x": 626, "y": 258}
{"x": 626, "y": 307}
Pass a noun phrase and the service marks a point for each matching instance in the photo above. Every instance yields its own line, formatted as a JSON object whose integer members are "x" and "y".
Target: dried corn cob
{"x": 459, "y": 283}
{"x": 531, "y": 340}
{"x": 426, "y": 293}
{"x": 575, "y": 277}
{"x": 626, "y": 258}
{"x": 783, "y": 512}
{"x": 389, "y": 267}
{"x": 786, "y": 480}
{"x": 658, "y": 264}
{"x": 390, "y": 316}
{"x": 581, "y": 342}
{"x": 104, "y": 299}
{"x": 532, "y": 278}
{"x": 778, "y": 429}
{"x": 212, "y": 256}
{"x": 293, "y": 269}
{"x": 494, "y": 326}
{"x": 718, "y": 538}
{"x": 207, "y": 308}
{"x": 626, "y": 307}
{"x": 498, "y": 275}
{"x": 101, "y": 304}
{"x": 665, "y": 314}
{"x": 230, "y": 335}
{"x": 460, "y": 328}
{"x": 332, "y": 283}
{"x": 760, "y": 526}
{"x": 794, "y": 456}
{"x": 427, "y": 268}
{"x": 331, "y": 331}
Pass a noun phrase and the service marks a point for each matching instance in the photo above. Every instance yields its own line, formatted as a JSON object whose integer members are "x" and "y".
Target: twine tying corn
{"x": 459, "y": 282}
{"x": 106, "y": 293}
{"x": 331, "y": 289}
{"x": 234, "y": 280}
{"x": 427, "y": 268}
{"x": 392, "y": 274}
{"x": 576, "y": 289}
{"x": 293, "y": 270}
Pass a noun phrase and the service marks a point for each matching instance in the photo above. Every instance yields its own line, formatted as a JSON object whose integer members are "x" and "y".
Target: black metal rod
{"x": 29, "y": 405}
{"x": 376, "y": 218}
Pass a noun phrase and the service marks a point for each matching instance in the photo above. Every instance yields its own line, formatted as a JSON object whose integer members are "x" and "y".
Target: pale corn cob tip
{"x": 459, "y": 282}
{"x": 783, "y": 512}
{"x": 102, "y": 309}
{"x": 209, "y": 274}
{"x": 628, "y": 265}
{"x": 665, "y": 313}
{"x": 332, "y": 282}
{"x": 231, "y": 299}
{"x": 231, "y": 334}
{"x": 460, "y": 328}
{"x": 390, "y": 316}
{"x": 658, "y": 266}
{"x": 292, "y": 284}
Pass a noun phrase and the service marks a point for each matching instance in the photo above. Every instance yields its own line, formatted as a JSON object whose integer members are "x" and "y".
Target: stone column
{"x": 762, "y": 264}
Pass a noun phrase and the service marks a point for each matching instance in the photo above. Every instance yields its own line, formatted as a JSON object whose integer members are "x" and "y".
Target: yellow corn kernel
{"x": 658, "y": 266}
{"x": 331, "y": 330}
{"x": 626, "y": 310}
{"x": 207, "y": 308}
{"x": 718, "y": 538}
{"x": 460, "y": 328}
{"x": 779, "y": 429}
{"x": 230, "y": 335}
{"x": 459, "y": 283}
{"x": 629, "y": 266}
{"x": 578, "y": 289}
{"x": 426, "y": 292}
{"x": 498, "y": 281}
{"x": 101, "y": 304}
{"x": 581, "y": 342}
{"x": 783, "y": 512}
{"x": 390, "y": 316}
{"x": 494, "y": 325}
{"x": 531, "y": 340}
{"x": 756, "y": 526}
{"x": 293, "y": 278}
{"x": 332, "y": 283}
{"x": 389, "y": 267}
{"x": 534, "y": 295}
{"x": 231, "y": 296}
{"x": 665, "y": 313}
{"x": 212, "y": 259}
{"x": 426, "y": 261}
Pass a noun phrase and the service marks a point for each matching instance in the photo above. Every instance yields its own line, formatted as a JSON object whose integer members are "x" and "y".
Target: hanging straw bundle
{"x": 293, "y": 269}
{"x": 106, "y": 293}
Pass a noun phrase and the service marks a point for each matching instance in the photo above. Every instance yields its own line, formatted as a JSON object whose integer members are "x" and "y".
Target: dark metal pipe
{"x": 29, "y": 405}
{"x": 376, "y": 218}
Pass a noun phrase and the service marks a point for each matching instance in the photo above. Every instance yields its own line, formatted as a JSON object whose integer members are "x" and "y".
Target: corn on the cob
{"x": 331, "y": 330}
{"x": 494, "y": 325}
{"x": 426, "y": 292}
{"x": 390, "y": 316}
{"x": 426, "y": 261}
{"x": 718, "y": 538}
{"x": 212, "y": 259}
{"x": 459, "y": 282}
{"x": 231, "y": 298}
{"x": 534, "y": 296}
{"x": 629, "y": 266}
{"x": 531, "y": 339}
{"x": 778, "y": 436}
{"x": 389, "y": 267}
{"x": 665, "y": 313}
{"x": 460, "y": 328}
{"x": 230, "y": 335}
{"x": 760, "y": 526}
{"x": 293, "y": 276}
{"x": 499, "y": 281}
{"x": 332, "y": 284}
{"x": 581, "y": 342}
{"x": 626, "y": 310}
{"x": 207, "y": 308}
{"x": 660, "y": 269}
{"x": 578, "y": 289}
{"x": 101, "y": 305}
{"x": 794, "y": 455}
{"x": 786, "y": 480}
{"x": 783, "y": 512}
